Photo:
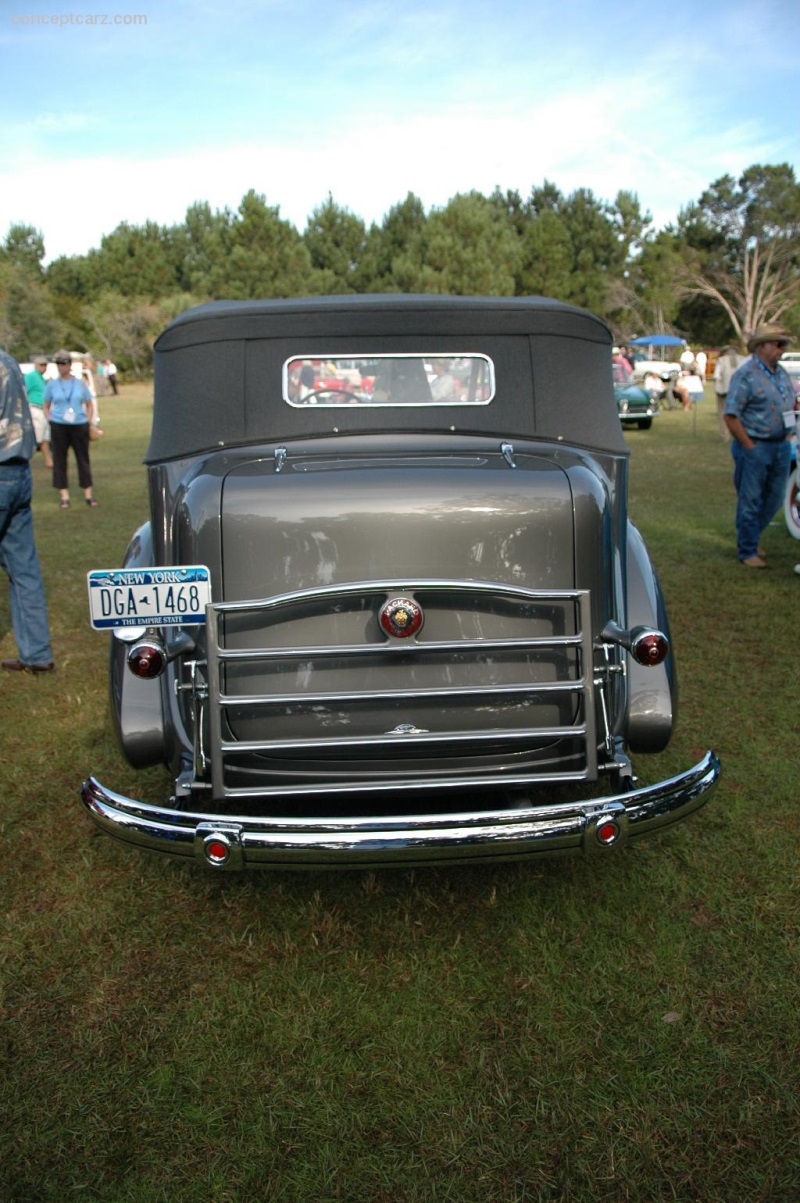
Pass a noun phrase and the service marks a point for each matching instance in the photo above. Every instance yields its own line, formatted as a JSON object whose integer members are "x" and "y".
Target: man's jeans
{"x": 760, "y": 476}
{"x": 19, "y": 559}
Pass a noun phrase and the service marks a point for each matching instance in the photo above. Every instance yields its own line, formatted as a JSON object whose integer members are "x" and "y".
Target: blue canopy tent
{"x": 657, "y": 340}
{"x": 662, "y": 341}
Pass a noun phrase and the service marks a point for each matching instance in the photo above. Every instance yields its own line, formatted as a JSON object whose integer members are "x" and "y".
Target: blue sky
{"x": 125, "y": 121}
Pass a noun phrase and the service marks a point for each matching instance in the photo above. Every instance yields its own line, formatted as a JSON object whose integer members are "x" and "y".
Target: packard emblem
{"x": 400, "y": 617}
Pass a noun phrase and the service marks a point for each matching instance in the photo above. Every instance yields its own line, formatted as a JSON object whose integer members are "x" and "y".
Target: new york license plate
{"x": 148, "y": 597}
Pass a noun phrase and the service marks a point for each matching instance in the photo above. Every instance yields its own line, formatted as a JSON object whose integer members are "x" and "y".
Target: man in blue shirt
{"x": 17, "y": 549}
{"x": 759, "y": 413}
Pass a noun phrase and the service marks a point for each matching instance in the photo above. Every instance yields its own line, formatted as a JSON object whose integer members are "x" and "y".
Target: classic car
{"x": 790, "y": 362}
{"x": 407, "y": 625}
{"x": 635, "y": 405}
{"x": 791, "y": 366}
{"x": 791, "y": 500}
{"x": 667, "y": 370}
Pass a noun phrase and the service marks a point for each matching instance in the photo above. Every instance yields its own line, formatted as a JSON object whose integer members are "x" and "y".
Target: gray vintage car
{"x": 388, "y": 606}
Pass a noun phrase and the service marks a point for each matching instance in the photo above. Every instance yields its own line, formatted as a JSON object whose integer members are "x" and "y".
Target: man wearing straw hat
{"x": 759, "y": 413}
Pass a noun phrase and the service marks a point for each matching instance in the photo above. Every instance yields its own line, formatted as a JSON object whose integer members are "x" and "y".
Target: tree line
{"x": 729, "y": 262}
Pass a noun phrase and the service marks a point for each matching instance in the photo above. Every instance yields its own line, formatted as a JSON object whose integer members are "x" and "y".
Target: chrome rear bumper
{"x": 236, "y": 842}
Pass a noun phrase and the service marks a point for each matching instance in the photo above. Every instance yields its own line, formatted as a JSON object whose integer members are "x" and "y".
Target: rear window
{"x": 388, "y": 380}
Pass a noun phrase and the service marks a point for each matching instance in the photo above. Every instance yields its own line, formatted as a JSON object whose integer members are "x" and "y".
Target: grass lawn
{"x": 575, "y": 1031}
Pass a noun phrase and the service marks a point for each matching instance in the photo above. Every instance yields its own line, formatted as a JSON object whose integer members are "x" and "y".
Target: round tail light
{"x": 147, "y": 661}
{"x": 650, "y": 649}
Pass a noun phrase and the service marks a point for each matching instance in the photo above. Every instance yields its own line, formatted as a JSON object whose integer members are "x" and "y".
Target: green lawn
{"x": 577, "y": 1030}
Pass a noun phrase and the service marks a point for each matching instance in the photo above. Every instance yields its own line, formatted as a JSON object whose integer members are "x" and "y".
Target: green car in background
{"x": 635, "y": 404}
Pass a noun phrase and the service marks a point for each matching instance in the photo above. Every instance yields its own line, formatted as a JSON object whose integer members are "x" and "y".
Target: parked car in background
{"x": 790, "y": 361}
{"x": 666, "y": 370}
{"x": 635, "y": 405}
{"x": 791, "y": 500}
{"x": 396, "y": 626}
{"x": 791, "y": 365}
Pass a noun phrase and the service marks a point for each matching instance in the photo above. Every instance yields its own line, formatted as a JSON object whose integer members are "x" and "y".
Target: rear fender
{"x": 137, "y": 706}
{"x": 652, "y": 692}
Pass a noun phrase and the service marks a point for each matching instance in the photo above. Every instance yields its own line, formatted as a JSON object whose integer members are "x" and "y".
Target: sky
{"x": 132, "y": 110}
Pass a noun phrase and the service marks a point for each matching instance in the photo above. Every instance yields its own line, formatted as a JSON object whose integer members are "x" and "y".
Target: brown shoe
{"x": 754, "y": 562}
{"x": 17, "y": 666}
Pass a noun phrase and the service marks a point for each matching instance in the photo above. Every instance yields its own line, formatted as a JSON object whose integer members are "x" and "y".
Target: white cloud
{"x": 595, "y": 137}
{"x": 60, "y": 123}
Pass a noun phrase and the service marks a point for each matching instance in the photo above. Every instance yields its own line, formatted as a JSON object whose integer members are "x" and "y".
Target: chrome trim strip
{"x": 342, "y": 696}
{"x": 395, "y": 585}
{"x": 403, "y": 739}
{"x": 474, "y": 646}
{"x": 345, "y": 841}
{"x": 424, "y": 781}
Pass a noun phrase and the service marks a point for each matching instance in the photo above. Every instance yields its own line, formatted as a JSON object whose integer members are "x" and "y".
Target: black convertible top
{"x": 218, "y": 369}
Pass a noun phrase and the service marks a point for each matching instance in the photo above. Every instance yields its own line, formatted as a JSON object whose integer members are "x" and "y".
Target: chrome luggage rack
{"x": 507, "y": 769}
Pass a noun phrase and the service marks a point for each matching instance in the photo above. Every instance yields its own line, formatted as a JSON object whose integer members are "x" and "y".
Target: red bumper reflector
{"x": 608, "y": 832}
{"x": 217, "y": 852}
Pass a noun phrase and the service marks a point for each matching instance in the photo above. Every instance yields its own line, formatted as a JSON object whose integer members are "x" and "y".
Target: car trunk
{"x": 308, "y": 690}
